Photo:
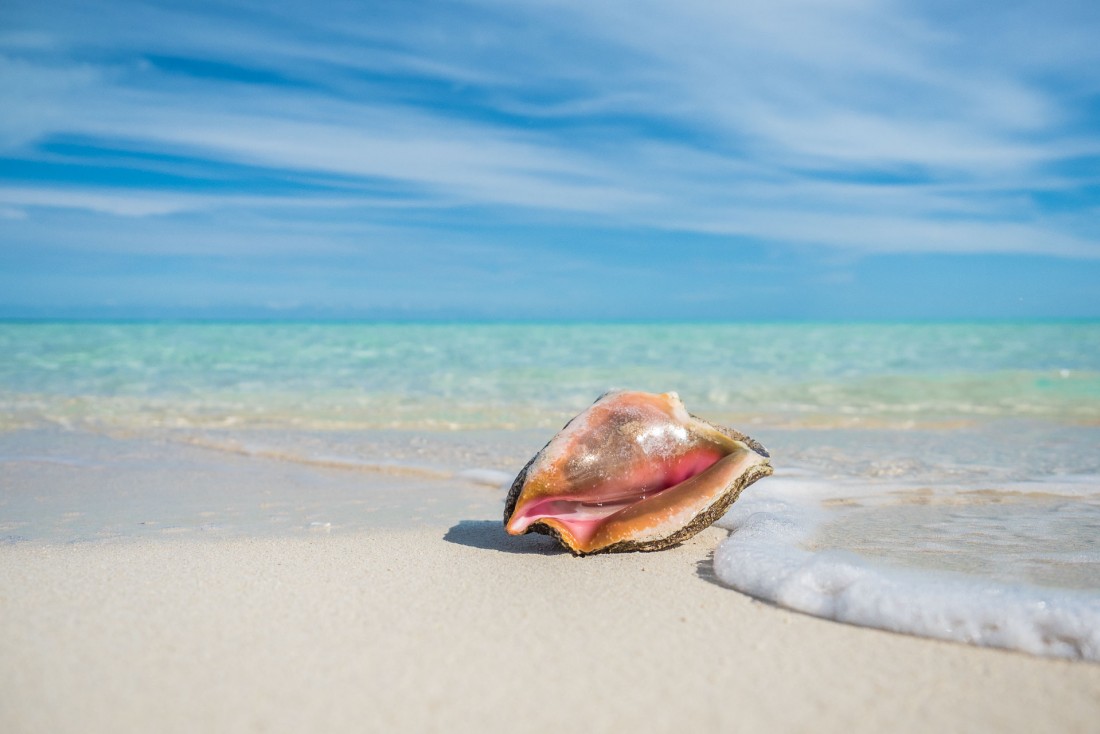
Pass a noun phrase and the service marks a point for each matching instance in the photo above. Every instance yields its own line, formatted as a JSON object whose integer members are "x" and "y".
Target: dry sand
{"x": 464, "y": 629}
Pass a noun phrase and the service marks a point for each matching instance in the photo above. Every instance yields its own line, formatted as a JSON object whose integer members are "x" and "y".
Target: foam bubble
{"x": 765, "y": 556}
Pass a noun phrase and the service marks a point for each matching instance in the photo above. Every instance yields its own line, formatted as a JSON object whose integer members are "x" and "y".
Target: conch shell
{"x": 633, "y": 472}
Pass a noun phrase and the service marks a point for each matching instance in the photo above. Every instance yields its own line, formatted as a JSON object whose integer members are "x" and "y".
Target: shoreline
{"x": 170, "y": 587}
{"x": 465, "y": 628}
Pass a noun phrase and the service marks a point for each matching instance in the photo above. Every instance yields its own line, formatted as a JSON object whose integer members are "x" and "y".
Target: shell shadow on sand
{"x": 490, "y": 535}
{"x": 704, "y": 569}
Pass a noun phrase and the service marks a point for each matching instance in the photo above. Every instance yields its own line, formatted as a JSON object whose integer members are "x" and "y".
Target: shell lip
{"x": 699, "y": 523}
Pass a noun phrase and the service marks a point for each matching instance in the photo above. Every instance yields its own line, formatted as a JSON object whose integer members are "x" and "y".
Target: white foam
{"x": 764, "y": 557}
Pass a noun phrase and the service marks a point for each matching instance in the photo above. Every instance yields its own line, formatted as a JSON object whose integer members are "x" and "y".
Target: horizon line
{"x": 367, "y": 321}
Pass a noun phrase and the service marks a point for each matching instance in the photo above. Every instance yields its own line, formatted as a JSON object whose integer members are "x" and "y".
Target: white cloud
{"x": 35, "y": 97}
{"x": 699, "y": 116}
{"x": 125, "y": 204}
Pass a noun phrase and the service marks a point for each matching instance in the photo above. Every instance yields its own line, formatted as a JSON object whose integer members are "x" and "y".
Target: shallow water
{"x": 921, "y": 454}
{"x": 1023, "y": 533}
{"x": 456, "y": 376}
{"x": 909, "y": 563}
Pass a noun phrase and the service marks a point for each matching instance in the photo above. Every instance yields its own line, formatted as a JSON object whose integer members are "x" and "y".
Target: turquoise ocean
{"x": 940, "y": 479}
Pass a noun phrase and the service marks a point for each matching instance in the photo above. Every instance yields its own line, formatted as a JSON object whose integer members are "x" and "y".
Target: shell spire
{"x": 633, "y": 472}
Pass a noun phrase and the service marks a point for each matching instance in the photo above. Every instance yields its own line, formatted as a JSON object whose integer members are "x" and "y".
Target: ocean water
{"x": 934, "y": 479}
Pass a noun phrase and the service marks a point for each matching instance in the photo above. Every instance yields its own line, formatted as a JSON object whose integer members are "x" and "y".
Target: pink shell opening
{"x": 582, "y": 515}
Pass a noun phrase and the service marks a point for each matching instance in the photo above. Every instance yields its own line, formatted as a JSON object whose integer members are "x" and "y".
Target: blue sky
{"x": 788, "y": 159}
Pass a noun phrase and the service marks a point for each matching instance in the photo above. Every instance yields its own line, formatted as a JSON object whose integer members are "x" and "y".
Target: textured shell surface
{"x": 635, "y": 471}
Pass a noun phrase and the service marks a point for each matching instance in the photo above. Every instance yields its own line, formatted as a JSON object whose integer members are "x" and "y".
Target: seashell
{"x": 633, "y": 472}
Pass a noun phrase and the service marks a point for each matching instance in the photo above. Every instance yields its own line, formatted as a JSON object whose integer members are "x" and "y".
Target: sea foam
{"x": 766, "y": 557}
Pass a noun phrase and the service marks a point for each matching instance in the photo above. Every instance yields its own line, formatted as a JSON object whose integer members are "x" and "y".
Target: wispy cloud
{"x": 860, "y": 126}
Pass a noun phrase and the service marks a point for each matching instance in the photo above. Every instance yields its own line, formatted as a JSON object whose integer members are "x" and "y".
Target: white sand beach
{"x": 463, "y": 628}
